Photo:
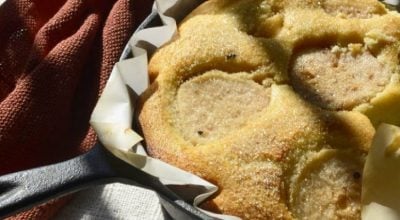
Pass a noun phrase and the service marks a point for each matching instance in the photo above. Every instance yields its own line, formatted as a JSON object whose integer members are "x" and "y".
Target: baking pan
{"x": 23, "y": 190}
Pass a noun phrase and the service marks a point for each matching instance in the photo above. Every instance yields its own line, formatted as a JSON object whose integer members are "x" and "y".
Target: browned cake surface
{"x": 258, "y": 97}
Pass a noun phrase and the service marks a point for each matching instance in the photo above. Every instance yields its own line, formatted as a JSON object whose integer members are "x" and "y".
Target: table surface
{"x": 113, "y": 201}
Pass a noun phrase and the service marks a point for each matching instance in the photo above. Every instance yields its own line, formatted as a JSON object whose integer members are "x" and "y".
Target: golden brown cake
{"x": 275, "y": 101}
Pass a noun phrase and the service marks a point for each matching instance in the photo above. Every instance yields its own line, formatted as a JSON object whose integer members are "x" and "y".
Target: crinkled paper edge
{"x": 114, "y": 112}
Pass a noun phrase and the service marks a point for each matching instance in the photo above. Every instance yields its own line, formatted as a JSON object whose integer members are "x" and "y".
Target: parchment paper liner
{"x": 114, "y": 112}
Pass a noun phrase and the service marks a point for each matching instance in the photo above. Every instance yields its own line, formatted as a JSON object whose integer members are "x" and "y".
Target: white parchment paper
{"x": 113, "y": 115}
{"x": 381, "y": 176}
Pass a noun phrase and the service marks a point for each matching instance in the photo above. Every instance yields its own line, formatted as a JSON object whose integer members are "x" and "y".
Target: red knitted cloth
{"x": 55, "y": 57}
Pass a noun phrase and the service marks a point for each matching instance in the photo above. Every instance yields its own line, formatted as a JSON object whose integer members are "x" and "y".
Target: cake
{"x": 275, "y": 102}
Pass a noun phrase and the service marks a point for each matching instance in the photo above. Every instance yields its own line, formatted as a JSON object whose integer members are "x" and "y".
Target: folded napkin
{"x": 55, "y": 57}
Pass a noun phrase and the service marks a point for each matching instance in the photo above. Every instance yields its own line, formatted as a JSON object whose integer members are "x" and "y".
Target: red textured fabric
{"x": 55, "y": 57}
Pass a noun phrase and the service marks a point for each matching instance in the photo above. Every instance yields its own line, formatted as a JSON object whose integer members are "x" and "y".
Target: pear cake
{"x": 275, "y": 102}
